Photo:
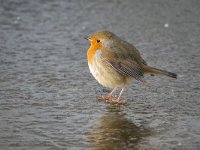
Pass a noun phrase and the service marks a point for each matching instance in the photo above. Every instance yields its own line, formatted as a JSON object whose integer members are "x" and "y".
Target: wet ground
{"x": 48, "y": 98}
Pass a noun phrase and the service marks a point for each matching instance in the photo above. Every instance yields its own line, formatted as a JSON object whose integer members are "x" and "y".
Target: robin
{"x": 114, "y": 63}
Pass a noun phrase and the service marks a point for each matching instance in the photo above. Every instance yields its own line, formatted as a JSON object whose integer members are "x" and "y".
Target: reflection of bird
{"x": 114, "y": 62}
{"x": 114, "y": 131}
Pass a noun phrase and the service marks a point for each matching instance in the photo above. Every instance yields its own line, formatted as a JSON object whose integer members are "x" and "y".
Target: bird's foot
{"x": 119, "y": 101}
{"x": 113, "y": 100}
{"x": 107, "y": 98}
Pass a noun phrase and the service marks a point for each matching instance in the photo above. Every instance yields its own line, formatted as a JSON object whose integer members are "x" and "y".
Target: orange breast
{"x": 91, "y": 52}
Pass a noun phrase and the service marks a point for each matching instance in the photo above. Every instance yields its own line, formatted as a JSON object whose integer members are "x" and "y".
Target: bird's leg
{"x": 119, "y": 99}
{"x": 109, "y": 96}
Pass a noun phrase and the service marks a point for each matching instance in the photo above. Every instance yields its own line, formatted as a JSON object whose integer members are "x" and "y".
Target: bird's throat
{"x": 91, "y": 52}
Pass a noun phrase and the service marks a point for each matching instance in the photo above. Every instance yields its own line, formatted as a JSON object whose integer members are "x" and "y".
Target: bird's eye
{"x": 98, "y": 41}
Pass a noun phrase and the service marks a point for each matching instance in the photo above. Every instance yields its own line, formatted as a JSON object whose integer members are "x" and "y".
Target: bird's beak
{"x": 87, "y": 38}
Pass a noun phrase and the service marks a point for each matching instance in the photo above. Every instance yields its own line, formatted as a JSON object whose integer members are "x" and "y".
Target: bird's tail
{"x": 152, "y": 70}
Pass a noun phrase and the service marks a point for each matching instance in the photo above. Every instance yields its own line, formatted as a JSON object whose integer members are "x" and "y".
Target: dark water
{"x": 48, "y": 98}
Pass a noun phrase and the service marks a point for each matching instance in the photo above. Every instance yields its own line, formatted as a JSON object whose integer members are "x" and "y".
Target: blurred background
{"x": 48, "y": 98}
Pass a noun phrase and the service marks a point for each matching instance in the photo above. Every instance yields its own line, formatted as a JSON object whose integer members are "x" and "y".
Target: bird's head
{"x": 101, "y": 39}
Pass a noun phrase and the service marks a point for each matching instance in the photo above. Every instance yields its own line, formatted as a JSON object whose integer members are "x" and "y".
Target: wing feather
{"x": 127, "y": 68}
{"x": 125, "y": 59}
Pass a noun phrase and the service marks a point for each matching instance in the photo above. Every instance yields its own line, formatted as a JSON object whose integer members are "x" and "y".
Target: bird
{"x": 114, "y": 63}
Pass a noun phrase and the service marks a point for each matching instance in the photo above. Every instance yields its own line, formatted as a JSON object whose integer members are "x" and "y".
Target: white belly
{"x": 105, "y": 74}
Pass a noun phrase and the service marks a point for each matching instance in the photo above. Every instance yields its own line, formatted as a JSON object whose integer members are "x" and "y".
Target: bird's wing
{"x": 125, "y": 59}
{"x": 127, "y": 68}
{"x": 126, "y": 50}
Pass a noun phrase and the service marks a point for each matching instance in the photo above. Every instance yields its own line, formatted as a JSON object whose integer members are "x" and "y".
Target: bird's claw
{"x": 113, "y": 100}
{"x": 119, "y": 102}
